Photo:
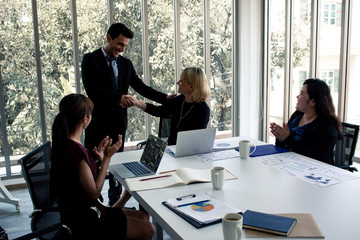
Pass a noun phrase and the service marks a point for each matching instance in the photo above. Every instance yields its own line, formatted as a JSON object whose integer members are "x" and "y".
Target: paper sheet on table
{"x": 308, "y": 170}
{"x": 219, "y": 155}
{"x": 225, "y": 144}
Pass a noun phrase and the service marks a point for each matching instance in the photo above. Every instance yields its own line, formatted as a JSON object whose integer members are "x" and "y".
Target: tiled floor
{"x": 18, "y": 223}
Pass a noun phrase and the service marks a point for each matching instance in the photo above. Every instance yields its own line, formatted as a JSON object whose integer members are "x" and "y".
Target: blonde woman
{"x": 188, "y": 111}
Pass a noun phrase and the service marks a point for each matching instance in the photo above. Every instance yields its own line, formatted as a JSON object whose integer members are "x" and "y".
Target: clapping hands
{"x": 279, "y": 132}
{"x": 105, "y": 150}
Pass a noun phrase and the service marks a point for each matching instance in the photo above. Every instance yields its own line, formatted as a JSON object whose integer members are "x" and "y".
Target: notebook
{"x": 193, "y": 142}
{"x": 268, "y": 222}
{"x": 149, "y": 161}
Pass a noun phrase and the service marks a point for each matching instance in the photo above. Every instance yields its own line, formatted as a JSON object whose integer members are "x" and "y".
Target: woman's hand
{"x": 105, "y": 149}
{"x": 99, "y": 151}
{"x": 140, "y": 104}
{"x": 279, "y": 132}
{"x": 111, "y": 150}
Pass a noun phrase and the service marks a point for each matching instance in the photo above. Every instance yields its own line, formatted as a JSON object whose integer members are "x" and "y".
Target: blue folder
{"x": 268, "y": 149}
{"x": 268, "y": 222}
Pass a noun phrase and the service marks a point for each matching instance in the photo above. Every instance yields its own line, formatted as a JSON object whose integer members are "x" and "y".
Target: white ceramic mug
{"x": 217, "y": 177}
{"x": 232, "y": 226}
{"x": 244, "y": 149}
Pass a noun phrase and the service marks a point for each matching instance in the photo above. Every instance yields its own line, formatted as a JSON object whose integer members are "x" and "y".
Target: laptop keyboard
{"x": 136, "y": 168}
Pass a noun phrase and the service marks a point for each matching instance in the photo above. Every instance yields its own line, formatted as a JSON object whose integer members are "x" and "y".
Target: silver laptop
{"x": 149, "y": 162}
{"x": 193, "y": 142}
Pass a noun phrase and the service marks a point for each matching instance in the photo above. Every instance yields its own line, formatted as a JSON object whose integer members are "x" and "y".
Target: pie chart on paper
{"x": 202, "y": 207}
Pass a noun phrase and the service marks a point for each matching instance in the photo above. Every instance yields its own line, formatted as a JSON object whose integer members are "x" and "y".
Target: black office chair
{"x": 45, "y": 219}
{"x": 32, "y": 235}
{"x": 345, "y": 148}
{"x": 36, "y": 171}
{"x": 164, "y": 130}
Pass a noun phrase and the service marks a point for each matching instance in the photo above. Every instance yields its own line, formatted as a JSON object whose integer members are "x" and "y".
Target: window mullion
{"x": 38, "y": 70}
{"x": 344, "y": 59}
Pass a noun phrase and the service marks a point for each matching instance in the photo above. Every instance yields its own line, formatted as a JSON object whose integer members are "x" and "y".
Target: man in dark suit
{"x": 106, "y": 77}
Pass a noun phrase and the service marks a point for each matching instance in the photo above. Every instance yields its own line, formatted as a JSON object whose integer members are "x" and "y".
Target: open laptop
{"x": 193, "y": 142}
{"x": 149, "y": 161}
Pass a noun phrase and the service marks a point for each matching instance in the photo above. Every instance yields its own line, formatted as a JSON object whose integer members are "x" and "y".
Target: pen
{"x": 145, "y": 179}
{"x": 167, "y": 171}
{"x": 187, "y": 204}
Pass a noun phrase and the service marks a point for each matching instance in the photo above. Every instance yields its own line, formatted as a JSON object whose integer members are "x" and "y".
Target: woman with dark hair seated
{"x": 313, "y": 129}
{"x": 77, "y": 179}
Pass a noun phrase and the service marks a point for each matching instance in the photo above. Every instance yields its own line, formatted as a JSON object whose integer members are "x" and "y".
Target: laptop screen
{"x": 153, "y": 152}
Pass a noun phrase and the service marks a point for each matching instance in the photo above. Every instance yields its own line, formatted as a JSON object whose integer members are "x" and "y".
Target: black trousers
{"x": 115, "y": 188}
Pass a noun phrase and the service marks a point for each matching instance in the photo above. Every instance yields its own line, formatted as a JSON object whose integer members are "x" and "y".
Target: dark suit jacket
{"x": 318, "y": 141}
{"x": 108, "y": 117}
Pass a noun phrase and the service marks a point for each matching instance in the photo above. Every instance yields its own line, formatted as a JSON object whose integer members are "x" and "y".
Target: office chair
{"x": 36, "y": 171}
{"x": 32, "y": 235}
{"x": 164, "y": 130}
{"x": 45, "y": 219}
{"x": 345, "y": 148}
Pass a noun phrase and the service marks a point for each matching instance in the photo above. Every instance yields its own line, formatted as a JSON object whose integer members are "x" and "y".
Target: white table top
{"x": 260, "y": 188}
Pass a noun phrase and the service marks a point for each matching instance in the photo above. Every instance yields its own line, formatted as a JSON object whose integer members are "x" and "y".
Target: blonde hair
{"x": 196, "y": 77}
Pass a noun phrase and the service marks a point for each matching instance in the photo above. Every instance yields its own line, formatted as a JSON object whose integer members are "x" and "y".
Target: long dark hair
{"x": 319, "y": 91}
{"x": 73, "y": 108}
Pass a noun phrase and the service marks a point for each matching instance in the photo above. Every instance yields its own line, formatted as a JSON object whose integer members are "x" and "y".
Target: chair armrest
{"x": 43, "y": 210}
{"x": 95, "y": 210}
{"x": 39, "y": 233}
{"x": 141, "y": 144}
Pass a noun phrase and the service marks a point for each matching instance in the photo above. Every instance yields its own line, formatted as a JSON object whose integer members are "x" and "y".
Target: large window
{"x": 300, "y": 60}
{"x": 329, "y": 47}
{"x": 277, "y": 61}
{"x": 221, "y": 64}
{"x": 161, "y": 50}
{"x": 20, "y": 118}
{"x": 316, "y": 46}
{"x": 56, "y": 55}
{"x": 41, "y": 64}
{"x": 129, "y": 13}
{"x": 352, "y": 100}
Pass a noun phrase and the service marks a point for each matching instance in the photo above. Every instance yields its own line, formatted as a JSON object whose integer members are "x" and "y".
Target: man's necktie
{"x": 112, "y": 74}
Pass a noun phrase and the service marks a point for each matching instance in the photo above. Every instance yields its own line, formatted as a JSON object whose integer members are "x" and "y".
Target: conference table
{"x": 258, "y": 187}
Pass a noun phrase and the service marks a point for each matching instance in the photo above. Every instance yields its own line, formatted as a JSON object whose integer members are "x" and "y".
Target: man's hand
{"x": 171, "y": 96}
{"x": 127, "y": 101}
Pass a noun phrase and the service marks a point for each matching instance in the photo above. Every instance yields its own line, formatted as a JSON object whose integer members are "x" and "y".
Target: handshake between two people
{"x": 127, "y": 101}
